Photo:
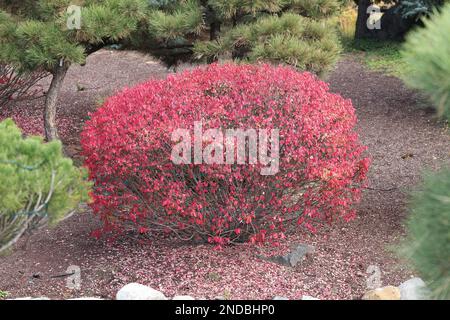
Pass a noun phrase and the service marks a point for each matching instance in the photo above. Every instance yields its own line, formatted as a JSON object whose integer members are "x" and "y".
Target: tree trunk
{"x": 392, "y": 25}
{"x": 361, "y": 22}
{"x": 214, "y": 32}
{"x": 59, "y": 73}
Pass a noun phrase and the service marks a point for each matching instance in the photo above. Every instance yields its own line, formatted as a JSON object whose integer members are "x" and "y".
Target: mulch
{"x": 397, "y": 124}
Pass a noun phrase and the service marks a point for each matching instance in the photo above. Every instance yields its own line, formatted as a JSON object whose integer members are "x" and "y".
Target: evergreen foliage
{"x": 297, "y": 33}
{"x": 428, "y": 244}
{"x": 34, "y": 34}
{"x": 38, "y": 183}
{"x": 430, "y": 64}
{"x": 419, "y": 8}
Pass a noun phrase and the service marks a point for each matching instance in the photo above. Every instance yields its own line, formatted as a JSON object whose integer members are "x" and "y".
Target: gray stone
{"x": 298, "y": 253}
{"x": 136, "y": 291}
{"x": 414, "y": 289}
{"x": 183, "y": 298}
{"x": 280, "y": 298}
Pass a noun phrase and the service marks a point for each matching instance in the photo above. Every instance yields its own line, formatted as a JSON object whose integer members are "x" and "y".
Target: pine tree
{"x": 427, "y": 245}
{"x": 295, "y": 32}
{"x": 429, "y": 66}
{"x": 35, "y": 34}
{"x": 39, "y": 184}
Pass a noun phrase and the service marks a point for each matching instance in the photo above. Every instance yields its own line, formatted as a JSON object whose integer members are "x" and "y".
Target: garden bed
{"x": 395, "y": 123}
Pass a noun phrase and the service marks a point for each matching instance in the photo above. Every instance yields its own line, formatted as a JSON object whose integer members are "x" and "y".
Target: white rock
{"x": 279, "y": 298}
{"x": 136, "y": 291}
{"x": 309, "y": 298}
{"x": 183, "y": 298}
{"x": 413, "y": 289}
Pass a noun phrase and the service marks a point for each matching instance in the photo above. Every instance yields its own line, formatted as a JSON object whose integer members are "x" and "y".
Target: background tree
{"x": 34, "y": 34}
{"x": 398, "y": 18}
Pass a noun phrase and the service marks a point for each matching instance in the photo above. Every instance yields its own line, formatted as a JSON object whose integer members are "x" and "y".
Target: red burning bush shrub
{"x": 129, "y": 141}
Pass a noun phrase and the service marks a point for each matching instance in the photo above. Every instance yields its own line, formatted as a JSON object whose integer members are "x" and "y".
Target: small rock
{"x": 183, "y": 298}
{"x": 298, "y": 253}
{"x": 280, "y": 298}
{"x": 136, "y": 291}
{"x": 309, "y": 298}
{"x": 385, "y": 293}
{"x": 414, "y": 289}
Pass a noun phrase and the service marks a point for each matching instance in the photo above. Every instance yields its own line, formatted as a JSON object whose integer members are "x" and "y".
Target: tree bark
{"x": 214, "y": 32}
{"x": 59, "y": 73}
{"x": 361, "y": 22}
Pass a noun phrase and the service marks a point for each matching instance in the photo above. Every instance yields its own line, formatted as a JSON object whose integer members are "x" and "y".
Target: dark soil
{"x": 404, "y": 140}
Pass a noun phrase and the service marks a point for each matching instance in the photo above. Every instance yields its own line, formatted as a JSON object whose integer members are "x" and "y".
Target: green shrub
{"x": 304, "y": 43}
{"x": 428, "y": 242}
{"x": 427, "y": 52}
{"x": 37, "y": 185}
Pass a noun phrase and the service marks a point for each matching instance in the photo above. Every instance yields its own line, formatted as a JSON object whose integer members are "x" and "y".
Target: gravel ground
{"x": 395, "y": 123}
